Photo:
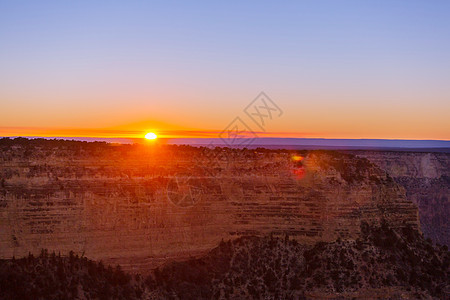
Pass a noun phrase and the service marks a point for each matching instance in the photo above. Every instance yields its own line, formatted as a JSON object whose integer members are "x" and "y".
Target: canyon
{"x": 142, "y": 206}
{"x": 426, "y": 179}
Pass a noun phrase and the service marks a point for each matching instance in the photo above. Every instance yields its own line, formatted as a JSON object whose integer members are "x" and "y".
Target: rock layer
{"x": 426, "y": 179}
{"x": 142, "y": 205}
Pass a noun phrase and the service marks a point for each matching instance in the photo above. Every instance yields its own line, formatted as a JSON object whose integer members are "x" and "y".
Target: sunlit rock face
{"x": 426, "y": 179}
{"x": 142, "y": 205}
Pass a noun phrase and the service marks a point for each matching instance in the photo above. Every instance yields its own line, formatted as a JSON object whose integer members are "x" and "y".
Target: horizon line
{"x": 138, "y": 133}
{"x": 218, "y": 138}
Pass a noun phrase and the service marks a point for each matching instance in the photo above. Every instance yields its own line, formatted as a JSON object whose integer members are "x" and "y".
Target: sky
{"x": 336, "y": 69}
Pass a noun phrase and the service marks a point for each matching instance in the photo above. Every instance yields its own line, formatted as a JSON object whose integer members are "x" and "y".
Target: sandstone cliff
{"x": 142, "y": 205}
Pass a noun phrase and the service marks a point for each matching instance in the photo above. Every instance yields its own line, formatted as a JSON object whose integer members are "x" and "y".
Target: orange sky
{"x": 344, "y": 129}
{"x": 182, "y": 114}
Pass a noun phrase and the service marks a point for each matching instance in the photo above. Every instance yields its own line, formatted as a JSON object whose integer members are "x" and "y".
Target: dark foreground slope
{"x": 51, "y": 276}
{"x": 382, "y": 263}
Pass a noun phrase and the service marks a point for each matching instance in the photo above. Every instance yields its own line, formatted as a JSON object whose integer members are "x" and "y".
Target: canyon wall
{"x": 426, "y": 179}
{"x": 142, "y": 205}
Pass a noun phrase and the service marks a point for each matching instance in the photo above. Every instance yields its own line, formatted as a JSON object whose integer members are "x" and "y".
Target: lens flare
{"x": 297, "y": 158}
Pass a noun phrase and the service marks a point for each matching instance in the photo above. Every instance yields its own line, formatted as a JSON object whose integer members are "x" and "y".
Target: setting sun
{"x": 150, "y": 136}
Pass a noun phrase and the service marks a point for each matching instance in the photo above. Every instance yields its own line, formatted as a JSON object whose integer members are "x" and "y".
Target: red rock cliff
{"x": 140, "y": 206}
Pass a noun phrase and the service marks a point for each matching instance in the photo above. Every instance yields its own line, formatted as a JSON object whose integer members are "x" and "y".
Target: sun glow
{"x": 150, "y": 136}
